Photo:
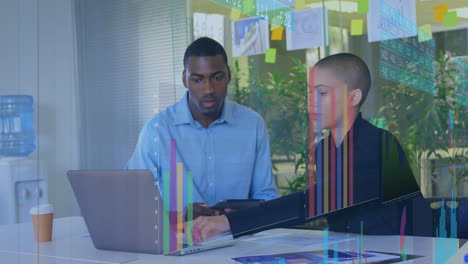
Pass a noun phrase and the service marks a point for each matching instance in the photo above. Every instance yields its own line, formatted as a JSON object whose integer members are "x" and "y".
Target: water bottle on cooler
{"x": 16, "y": 125}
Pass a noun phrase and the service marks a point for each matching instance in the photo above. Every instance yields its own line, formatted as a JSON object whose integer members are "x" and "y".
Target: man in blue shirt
{"x": 224, "y": 145}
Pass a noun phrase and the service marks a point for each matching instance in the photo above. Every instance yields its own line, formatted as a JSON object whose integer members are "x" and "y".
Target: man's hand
{"x": 208, "y": 226}
{"x": 200, "y": 209}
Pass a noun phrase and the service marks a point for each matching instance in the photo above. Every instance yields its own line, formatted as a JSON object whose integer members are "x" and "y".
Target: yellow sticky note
{"x": 363, "y": 6}
{"x": 270, "y": 55}
{"x": 356, "y": 27}
{"x": 248, "y": 6}
{"x": 277, "y": 34}
{"x": 450, "y": 19}
{"x": 235, "y": 14}
{"x": 439, "y": 12}
{"x": 425, "y": 33}
{"x": 300, "y": 4}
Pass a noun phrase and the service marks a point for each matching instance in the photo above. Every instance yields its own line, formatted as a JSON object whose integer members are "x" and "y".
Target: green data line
{"x": 361, "y": 246}
{"x": 403, "y": 253}
{"x": 190, "y": 209}
{"x": 166, "y": 199}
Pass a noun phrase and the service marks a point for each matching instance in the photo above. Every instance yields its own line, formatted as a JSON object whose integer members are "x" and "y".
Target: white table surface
{"x": 72, "y": 245}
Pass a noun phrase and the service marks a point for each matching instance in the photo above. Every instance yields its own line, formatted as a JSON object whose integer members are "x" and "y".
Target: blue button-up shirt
{"x": 228, "y": 160}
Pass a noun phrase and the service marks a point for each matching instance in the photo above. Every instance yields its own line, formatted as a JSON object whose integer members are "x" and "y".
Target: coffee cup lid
{"x": 42, "y": 209}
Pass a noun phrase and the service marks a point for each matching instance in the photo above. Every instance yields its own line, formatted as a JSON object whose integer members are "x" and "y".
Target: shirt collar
{"x": 182, "y": 112}
{"x": 357, "y": 124}
{"x": 183, "y": 115}
{"x": 227, "y": 114}
{"x": 358, "y": 121}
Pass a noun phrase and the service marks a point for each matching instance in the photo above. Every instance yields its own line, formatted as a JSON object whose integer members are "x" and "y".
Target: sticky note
{"x": 277, "y": 34}
{"x": 300, "y": 4}
{"x": 273, "y": 27}
{"x": 450, "y": 19}
{"x": 235, "y": 14}
{"x": 270, "y": 55}
{"x": 439, "y": 12}
{"x": 248, "y": 6}
{"x": 425, "y": 33}
{"x": 356, "y": 27}
{"x": 276, "y": 20}
{"x": 362, "y": 6}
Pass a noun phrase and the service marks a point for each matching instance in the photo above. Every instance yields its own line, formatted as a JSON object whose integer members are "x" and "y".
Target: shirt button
{"x": 209, "y": 157}
{"x": 211, "y": 184}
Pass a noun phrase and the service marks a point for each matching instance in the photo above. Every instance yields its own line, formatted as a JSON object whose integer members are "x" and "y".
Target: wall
{"x": 38, "y": 58}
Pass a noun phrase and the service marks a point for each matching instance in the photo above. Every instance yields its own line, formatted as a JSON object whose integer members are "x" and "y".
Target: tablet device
{"x": 237, "y": 204}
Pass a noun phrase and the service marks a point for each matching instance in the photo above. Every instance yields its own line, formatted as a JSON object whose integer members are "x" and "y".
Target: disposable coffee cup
{"x": 42, "y": 219}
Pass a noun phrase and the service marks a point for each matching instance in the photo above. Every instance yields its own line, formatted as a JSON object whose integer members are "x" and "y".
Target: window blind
{"x": 130, "y": 64}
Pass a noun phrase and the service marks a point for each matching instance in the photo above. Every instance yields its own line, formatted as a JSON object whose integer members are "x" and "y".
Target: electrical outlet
{"x": 28, "y": 194}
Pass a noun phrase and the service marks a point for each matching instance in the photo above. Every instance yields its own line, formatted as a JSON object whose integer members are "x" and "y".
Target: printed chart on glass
{"x": 209, "y": 25}
{"x": 250, "y": 37}
{"x": 389, "y": 19}
{"x": 310, "y": 29}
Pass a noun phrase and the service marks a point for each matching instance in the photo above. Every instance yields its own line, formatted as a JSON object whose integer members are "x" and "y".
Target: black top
{"x": 380, "y": 171}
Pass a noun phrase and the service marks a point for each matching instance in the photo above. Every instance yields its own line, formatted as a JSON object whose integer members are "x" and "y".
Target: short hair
{"x": 350, "y": 69}
{"x": 204, "y": 46}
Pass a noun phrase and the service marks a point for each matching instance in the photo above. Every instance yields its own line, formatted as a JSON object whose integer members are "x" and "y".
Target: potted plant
{"x": 425, "y": 124}
{"x": 281, "y": 99}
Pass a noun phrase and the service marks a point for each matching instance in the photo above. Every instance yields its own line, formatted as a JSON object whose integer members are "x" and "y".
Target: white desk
{"x": 72, "y": 245}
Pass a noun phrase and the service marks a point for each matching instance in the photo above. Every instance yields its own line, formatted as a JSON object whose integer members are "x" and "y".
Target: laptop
{"x": 123, "y": 211}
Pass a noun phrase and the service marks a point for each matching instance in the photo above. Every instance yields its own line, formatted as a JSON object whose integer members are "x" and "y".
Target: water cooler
{"x": 22, "y": 179}
{"x": 22, "y": 186}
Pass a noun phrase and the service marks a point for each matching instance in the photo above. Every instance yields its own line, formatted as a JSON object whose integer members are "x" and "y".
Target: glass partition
{"x": 79, "y": 79}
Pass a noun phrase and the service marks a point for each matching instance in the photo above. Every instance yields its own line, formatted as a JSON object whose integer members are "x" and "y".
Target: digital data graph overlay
{"x": 403, "y": 59}
{"x": 173, "y": 199}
